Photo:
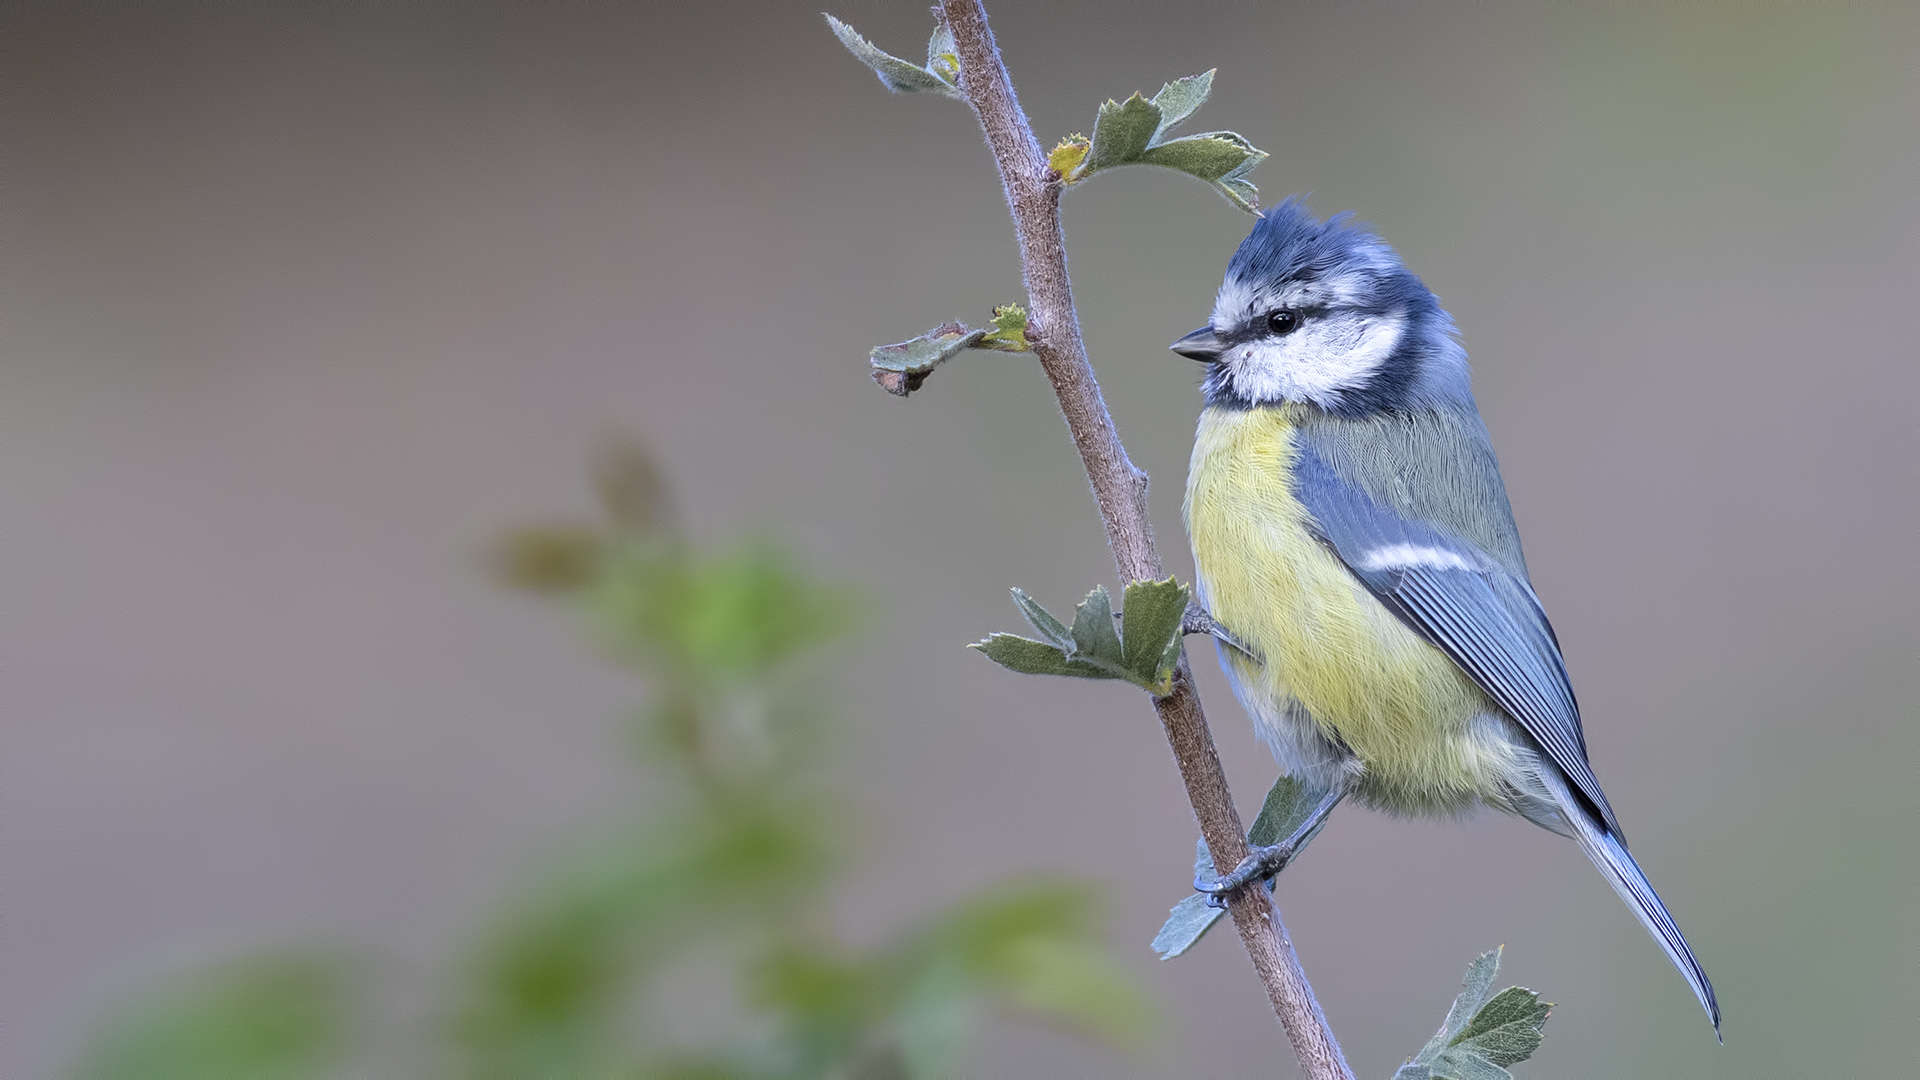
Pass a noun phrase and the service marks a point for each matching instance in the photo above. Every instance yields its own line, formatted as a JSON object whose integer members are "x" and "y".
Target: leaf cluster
{"x": 1142, "y": 650}
{"x": 1136, "y": 131}
{"x": 732, "y": 860}
{"x": 900, "y": 368}
{"x": 1484, "y": 1032}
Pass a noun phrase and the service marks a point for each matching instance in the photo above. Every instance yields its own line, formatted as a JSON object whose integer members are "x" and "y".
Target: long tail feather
{"x": 1611, "y": 856}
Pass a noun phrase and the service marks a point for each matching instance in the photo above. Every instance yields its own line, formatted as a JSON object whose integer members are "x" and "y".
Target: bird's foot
{"x": 1261, "y": 864}
{"x": 1199, "y": 620}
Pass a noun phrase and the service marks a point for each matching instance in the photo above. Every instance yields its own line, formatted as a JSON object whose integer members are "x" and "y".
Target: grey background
{"x": 303, "y": 304}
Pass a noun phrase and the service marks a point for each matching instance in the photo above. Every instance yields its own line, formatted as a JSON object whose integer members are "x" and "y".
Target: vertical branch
{"x": 1120, "y": 489}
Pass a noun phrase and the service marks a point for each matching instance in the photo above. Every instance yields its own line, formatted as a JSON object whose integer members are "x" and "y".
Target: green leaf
{"x": 271, "y": 1018}
{"x": 1209, "y": 157}
{"x": 1481, "y": 1036}
{"x": 1009, "y": 333}
{"x": 1050, "y": 628}
{"x": 1068, "y": 155}
{"x": 1121, "y": 133}
{"x": 895, "y": 74}
{"x": 1092, "y": 648}
{"x": 1192, "y": 917}
{"x": 1094, "y": 638}
{"x": 1180, "y": 98}
{"x": 1477, "y": 983}
{"x": 1187, "y": 922}
{"x": 943, "y": 56}
{"x": 1287, "y": 806}
{"x": 1030, "y": 657}
{"x": 1413, "y": 1070}
{"x": 901, "y": 368}
{"x": 1508, "y": 1028}
{"x": 1150, "y": 624}
{"x": 1134, "y": 131}
{"x": 1462, "y": 1064}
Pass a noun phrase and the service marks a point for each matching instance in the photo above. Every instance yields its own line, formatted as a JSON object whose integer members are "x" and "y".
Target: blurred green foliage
{"x": 730, "y": 863}
{"x": 282, "y": 1017}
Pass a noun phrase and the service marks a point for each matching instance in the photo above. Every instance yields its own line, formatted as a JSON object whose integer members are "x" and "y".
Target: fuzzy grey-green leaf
{"x": 1042, "y": 620}
{"x": 1030, "y": 657}
{"x": 917, "y": 356}
{"x": 1477, "y": 985}
{"x": 1121, "y": 132}
{"x": 1413, "y": 1070}
{"x": 1192, "y": 917}
{"x": 1240, "y": 193}
{"x": 1186, "y": 924}
{"x": 1506, "y": 1029}
{"x": 903, "y": 366}
{"x": 1178, "y": 99}
{"x": 1515, "y": 1004}
{"x": 1508, "y": 1044}
{"x": 1150, "y": 622}
{"x": 1094, "y": 638}
{"x": 895, "y": 74}
{"x": 1208, "y": 157}
{"x": 1463, "y": 1064}
{"x": 1287, "y": 806}
{"x": 943, "y": 56}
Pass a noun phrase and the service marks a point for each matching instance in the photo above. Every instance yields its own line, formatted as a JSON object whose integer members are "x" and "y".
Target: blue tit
{"x": 1352, "y": 538}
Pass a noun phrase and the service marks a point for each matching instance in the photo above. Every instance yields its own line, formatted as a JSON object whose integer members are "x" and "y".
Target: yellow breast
{"x": 1331, "y": 649}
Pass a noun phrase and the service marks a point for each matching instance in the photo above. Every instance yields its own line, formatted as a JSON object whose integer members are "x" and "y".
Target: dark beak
{"x": 1200, "y": 345}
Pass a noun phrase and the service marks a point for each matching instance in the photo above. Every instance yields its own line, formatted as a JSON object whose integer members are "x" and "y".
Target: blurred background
{"x": 304, "y": 305}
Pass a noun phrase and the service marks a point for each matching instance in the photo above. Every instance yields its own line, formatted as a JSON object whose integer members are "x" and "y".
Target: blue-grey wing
{"x": 1466, "y": 603}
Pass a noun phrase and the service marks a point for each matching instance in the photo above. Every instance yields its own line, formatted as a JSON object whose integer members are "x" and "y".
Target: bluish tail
{"x": 1611, "y": 856}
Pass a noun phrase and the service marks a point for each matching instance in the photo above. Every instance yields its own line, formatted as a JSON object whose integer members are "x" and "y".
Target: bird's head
{"x": 1323, "y": 313}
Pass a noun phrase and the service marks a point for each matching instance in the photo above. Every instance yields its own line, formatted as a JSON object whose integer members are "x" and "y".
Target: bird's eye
{"x": 1282, "y": 323}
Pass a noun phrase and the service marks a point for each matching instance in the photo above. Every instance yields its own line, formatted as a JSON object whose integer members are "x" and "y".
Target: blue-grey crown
{"x": 1340, "y": 265}
{"x": 1289, "y": 245}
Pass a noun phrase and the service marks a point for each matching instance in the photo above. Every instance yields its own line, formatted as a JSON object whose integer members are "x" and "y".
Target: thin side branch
{"x": 1120, "y": 489}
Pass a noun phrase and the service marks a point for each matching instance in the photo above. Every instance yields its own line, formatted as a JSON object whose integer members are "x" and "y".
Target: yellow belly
{"x": 1425, "y": 737}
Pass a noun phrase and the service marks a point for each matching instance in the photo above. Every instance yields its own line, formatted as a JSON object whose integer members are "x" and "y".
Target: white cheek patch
{"x": 1317, "y": 362}
{"x": 1413, "y": 557}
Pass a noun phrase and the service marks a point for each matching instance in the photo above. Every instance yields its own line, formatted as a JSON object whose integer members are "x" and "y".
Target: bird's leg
{"x": 1264, "y": 862}
{"x": 1199, "y": 621}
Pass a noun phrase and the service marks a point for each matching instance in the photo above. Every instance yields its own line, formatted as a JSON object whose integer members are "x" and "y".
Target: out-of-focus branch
{"x": 1120, "y": 489}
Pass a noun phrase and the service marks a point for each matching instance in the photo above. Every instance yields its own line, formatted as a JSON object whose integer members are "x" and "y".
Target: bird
{"x": 1356, "y": 556}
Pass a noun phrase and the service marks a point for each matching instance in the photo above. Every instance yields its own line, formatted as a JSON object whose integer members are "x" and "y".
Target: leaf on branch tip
{"x": 1068, "y": 155}
{"x": 943, "y": 56}
{"x": 1092, "y": 647}
{"x": 1009, "y": 333}
{"x": 1135, "y": 131}
{"x": 1482, "y": 1035}
{"x": 901, "y": 368}
{"x": 900, "y": 76}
